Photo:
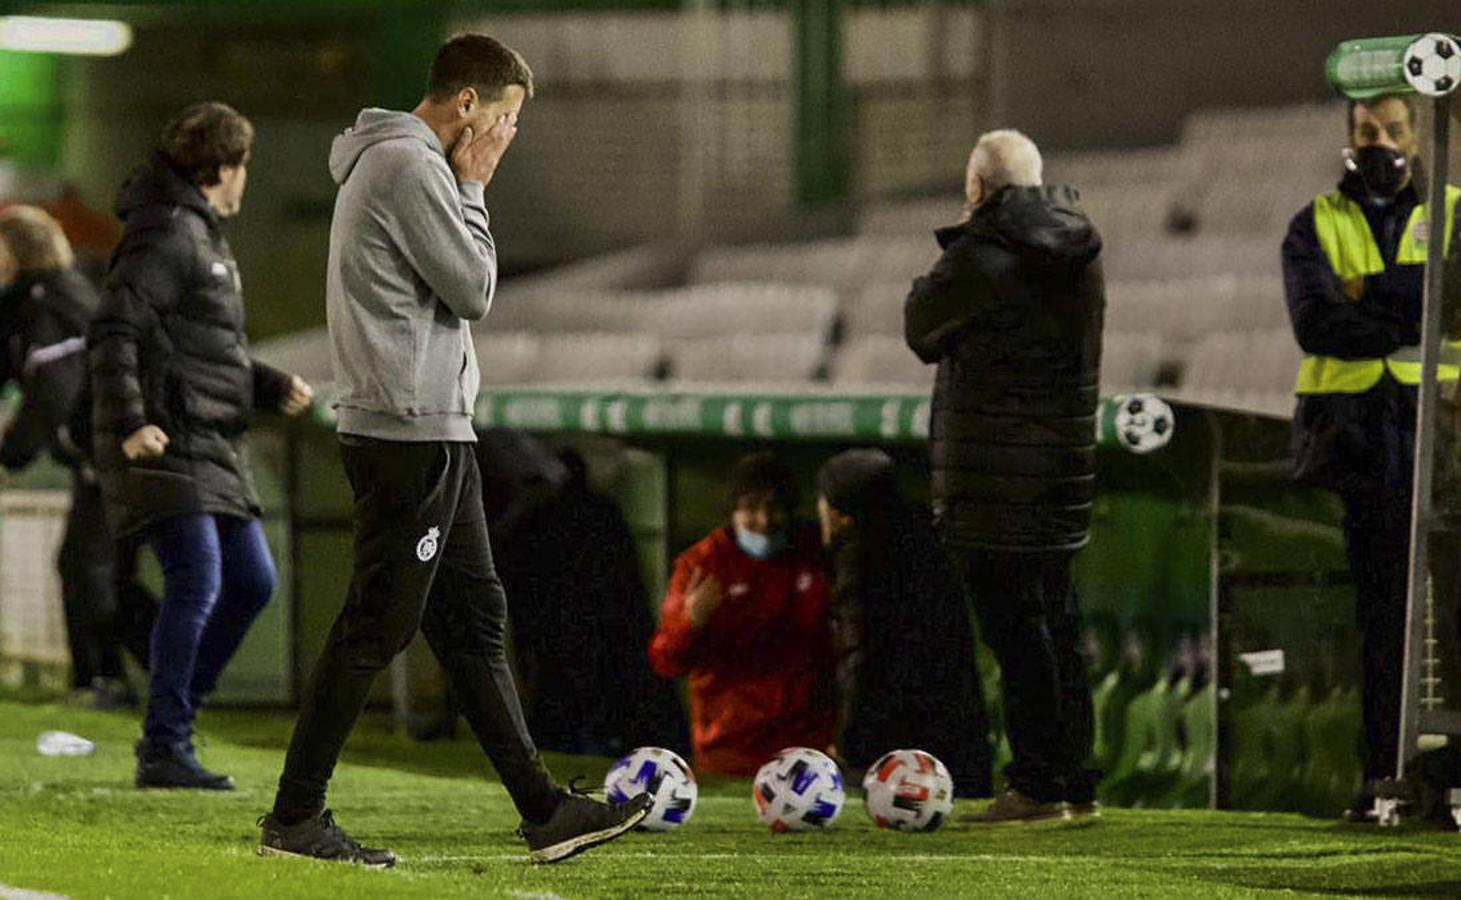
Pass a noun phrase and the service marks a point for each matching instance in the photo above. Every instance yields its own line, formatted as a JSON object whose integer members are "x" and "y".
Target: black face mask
{"x": 1383, "y": 170}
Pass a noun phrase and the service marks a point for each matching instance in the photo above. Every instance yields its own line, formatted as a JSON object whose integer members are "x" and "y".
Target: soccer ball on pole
{"x": 908, "y": 790}
{"x": 1433, "y": 65}
{"x": 799, "y": 790}
{"x": 1143, "y": 423}
{"x": 664, "y": 776}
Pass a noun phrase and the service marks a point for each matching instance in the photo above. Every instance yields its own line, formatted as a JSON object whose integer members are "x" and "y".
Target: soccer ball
{"x": 799, "y": 790}
{"x": 908, "y": 790}
{"x": 1143, "y": 423}
{"x": 664, "y": 776}
{"x": 1433, "y": 65}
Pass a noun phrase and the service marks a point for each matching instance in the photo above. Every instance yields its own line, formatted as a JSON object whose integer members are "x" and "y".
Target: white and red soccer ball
{"x": 908, "y": 790}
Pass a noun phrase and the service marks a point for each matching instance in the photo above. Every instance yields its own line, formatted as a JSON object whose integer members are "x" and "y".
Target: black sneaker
{"x": 581, "y": 822}
{"x": 318, "y": 837}
{"x": 173, "y": 765}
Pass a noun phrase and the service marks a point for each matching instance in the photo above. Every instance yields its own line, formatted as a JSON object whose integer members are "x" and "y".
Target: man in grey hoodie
{"x": 411, "y": 264}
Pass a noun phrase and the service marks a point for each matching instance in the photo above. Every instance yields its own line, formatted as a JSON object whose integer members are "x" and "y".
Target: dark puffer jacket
{"x": 901, "y": 636}
{"x": 1012, "y": 314}
{"x": 167, "y": 348}
{"x": 44, "y": 317}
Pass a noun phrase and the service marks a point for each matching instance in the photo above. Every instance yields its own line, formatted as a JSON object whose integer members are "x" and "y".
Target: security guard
{"x": 1354, "y": 265}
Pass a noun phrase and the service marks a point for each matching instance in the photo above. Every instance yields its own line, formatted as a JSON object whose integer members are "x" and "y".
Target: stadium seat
{"x": 1130, "y": 362}
{"x": 586, "y": 358}
{"x": 709, "y": 310}
{"x": 880, "y": 360}
{"x": 507, "y": 357}
{"x": 747, "y": 358}
{"x": 1185, "y": 310}
{"x": 567, "y": 311}
{"x": 1199, "y": 750}
{"x": 1332, "y": 774}
{"x": 1169, "y": 256}
{"x": 875, "y": 309}
{"x": 1245, "y": 370}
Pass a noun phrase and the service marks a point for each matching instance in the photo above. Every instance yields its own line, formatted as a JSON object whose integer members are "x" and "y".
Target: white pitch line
{"x": 695, "y": 857}
{"x": 1070, "y": 859}
{"x": 14, "y": 893}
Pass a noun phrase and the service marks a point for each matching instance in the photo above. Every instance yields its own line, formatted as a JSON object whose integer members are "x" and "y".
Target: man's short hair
{"x": 1372, "y": 102}
{"x": 763, "y": 471}
{"x": 205, "y": 137}
{"x": 34, "y": 240}
{"x": 480, "y": 62}
{"x": 1005, "y": 157}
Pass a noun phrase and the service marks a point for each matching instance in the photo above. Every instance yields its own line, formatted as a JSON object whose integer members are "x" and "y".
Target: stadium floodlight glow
{"x": 82, "y": 37}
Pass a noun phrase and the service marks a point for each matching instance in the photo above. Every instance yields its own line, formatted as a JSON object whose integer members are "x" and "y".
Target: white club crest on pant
{"x": 426, "y": 547}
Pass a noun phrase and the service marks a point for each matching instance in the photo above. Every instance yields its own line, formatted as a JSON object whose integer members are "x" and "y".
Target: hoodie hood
{"x": 157, "y": 183}
{"x": 374, "y": 126}
{"x": 1045, "y": 224}
{"x": 859, "y": 482}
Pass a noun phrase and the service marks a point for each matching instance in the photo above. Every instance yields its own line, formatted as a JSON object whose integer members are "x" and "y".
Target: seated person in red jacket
{"x": 746, "y": 619}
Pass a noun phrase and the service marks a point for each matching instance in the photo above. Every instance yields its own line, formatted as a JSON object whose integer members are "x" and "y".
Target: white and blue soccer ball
{"x": 664, "y": 776}
{"x": 1433, "y": 65}
{"x": 908, "y": 790}
{"x": 799, "y": 790}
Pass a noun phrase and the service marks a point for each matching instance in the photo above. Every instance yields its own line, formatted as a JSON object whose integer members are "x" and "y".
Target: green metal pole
{"x": 32, "y": 121}
{"x": 821, "y": 138}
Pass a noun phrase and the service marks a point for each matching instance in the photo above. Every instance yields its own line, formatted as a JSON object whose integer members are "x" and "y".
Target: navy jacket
{"x": 1365, "y": 441}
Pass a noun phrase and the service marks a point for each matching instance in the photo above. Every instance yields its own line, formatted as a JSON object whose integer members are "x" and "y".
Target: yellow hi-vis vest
{"x": 1345, "y": 237}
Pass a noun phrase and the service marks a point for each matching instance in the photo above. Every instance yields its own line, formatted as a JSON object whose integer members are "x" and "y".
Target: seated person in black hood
{"x": 901, "y": 633}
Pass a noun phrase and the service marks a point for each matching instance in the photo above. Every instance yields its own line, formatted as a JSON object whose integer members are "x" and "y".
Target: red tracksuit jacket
{"x": 760, "y": 668}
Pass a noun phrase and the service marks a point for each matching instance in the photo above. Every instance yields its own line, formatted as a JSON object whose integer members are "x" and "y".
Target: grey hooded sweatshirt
{"x": 411, "y": 264}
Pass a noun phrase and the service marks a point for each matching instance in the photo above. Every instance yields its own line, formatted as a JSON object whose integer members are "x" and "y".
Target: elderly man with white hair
{"x": 1011, "y": 314}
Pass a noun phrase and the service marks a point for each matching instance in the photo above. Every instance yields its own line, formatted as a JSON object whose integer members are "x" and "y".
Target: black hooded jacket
{"x": 43, "y": 320}
{"x": 901, "y": 636}
{"x": 167, "y": 348}
{"x": 1012, "y": 314}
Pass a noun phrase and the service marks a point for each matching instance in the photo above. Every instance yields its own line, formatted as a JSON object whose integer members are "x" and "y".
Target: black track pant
{"x": 422, "y": 560}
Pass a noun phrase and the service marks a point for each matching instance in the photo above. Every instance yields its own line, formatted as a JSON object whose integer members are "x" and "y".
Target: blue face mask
{"x": 760, "y": 546}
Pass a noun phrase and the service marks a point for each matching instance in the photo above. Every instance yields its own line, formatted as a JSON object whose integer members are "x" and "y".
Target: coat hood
{"x": 157, "y": 183}
{"x": 1043, "y": 223}
{"x": 372, "y": 127}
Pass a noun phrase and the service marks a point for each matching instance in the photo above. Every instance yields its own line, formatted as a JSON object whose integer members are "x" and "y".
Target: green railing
{"x": 890, "y": 416}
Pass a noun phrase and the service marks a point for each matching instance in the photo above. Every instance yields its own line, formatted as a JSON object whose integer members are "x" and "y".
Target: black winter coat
{"x": 904, "y": 649}
{"x": 1012, "y": 314}
{"x": 43, "y": 321}
{"x": 167, "y": 348}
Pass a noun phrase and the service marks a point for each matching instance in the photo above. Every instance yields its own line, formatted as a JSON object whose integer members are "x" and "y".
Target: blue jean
{"x": 217, "y": 577}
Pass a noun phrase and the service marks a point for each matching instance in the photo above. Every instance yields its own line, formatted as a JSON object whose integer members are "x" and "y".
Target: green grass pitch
{"x": 75, "y": 827}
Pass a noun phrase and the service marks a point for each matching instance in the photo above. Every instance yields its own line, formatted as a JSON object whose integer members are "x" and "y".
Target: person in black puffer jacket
{"x": 901, "y": 635}
{"x": 173, "y": 392}
{"x": 1012, "y": 314}
{"x": 44, "y": 314}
